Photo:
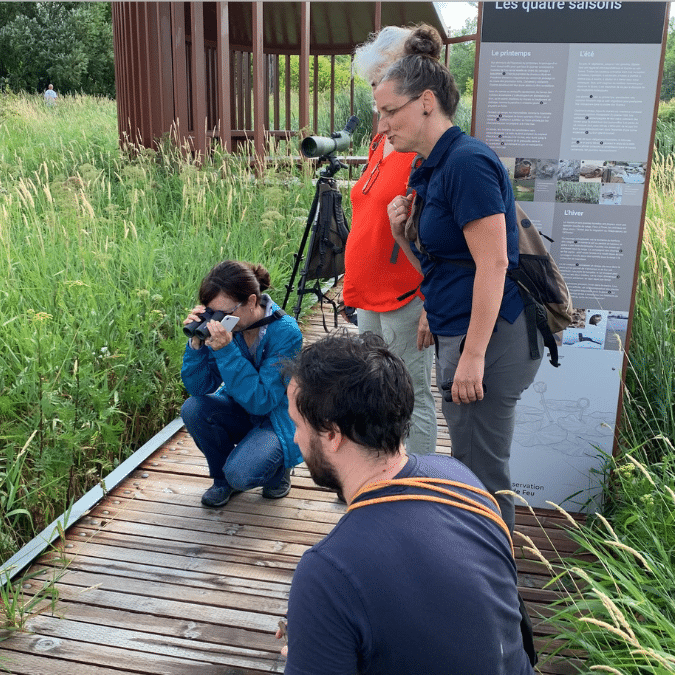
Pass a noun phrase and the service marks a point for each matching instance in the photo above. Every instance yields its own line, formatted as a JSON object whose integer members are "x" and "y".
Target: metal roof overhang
{"x": 335, "y": 27}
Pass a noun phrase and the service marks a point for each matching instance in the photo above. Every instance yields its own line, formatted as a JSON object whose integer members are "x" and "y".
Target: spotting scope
{"x": 321, "y": 146}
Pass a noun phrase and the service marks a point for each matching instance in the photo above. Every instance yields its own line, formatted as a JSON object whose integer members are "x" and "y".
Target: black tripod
{"x": 328, "y": 229}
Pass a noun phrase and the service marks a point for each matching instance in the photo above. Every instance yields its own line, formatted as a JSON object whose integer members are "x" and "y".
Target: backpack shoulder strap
{"x": 445, "y": 495}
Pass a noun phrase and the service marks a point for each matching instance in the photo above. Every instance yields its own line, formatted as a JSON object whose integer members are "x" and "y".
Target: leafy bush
{"x": 667, "y": 111}
{"x": 67, "y": 44}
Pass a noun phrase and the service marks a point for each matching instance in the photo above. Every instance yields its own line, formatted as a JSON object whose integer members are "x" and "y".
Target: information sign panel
{"x": 566, "y": 94}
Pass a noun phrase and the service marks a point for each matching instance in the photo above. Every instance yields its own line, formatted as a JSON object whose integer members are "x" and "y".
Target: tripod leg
{"x": 310, "y": 230}
{"x": 298, "y": 256}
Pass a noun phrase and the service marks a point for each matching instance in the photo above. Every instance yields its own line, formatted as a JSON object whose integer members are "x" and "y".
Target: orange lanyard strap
{"x": 451, "y": 498}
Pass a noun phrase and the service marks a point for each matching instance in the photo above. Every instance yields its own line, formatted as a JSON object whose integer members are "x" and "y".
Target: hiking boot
{"x": 217, "y": 495}
{"x": 280, "y": 490}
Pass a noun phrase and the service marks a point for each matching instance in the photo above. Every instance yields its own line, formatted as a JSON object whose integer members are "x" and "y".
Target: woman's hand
{"x": 219, "y": 338}
{"x": 467, "y": 384}
{"x": 194, "y": 315}
{"x": 398, "y": 214}
{"x": 425, "y": 337}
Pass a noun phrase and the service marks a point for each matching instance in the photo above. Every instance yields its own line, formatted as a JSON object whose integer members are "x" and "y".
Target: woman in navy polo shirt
{"x": 475, "y": 312}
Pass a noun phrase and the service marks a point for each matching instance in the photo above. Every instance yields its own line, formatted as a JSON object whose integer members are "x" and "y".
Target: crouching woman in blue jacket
{"x": 237, "y": 412}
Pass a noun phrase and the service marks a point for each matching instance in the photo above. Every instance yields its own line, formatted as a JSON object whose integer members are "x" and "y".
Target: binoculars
{"x": 199, "y": 328}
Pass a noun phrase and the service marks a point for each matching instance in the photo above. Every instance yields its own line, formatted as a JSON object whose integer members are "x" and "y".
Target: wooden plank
{"x": 249, "y": 502}
{"x": 195, "y": 486}
{"x": 185, "y": 549}
{"x": 251, "y": 574}
{"x": 142, "y": 660}
{"x": 142, "y": 510}
{"x": 145, "y": 580}
{"x": 229, "y": 522}
{"x": 216, "y": 580}
{"x": 192, "y": 629}
{"x": 22, "y": 663}
{"x": 167, "y": 607}
{"x": 233, "y": 540}
{"x": 168, "y": 646}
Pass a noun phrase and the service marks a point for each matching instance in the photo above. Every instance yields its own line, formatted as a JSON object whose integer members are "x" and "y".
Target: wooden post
{"x": 304, "y": 65}
{"x": 180, "y": 88}
{"x": 164, "y": 66}
{"x": 259, "y": 93}
{"x": 377, "y": 25}
{"x": 198, "y": 78}
{"x": 223, "y": 75}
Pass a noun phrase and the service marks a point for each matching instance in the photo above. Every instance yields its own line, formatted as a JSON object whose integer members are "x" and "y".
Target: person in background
{"x": 376, "y": 272}
{"x": 469, "y": 236}
{"x": 418, "y": 577}
{"x": 237, "y": 412}
{"x": 50, "y": 95}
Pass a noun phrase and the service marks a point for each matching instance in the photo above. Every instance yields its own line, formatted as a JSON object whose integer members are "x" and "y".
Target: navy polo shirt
{"x": 462, "y": 180}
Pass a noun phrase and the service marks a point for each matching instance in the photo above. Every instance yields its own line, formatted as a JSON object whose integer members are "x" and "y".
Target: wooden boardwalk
{"x": 155, "y": 583}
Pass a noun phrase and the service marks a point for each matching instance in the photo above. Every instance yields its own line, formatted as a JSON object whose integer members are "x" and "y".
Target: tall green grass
{"x": 619, "y": 611}
{"x": 649, "y": 410}
{"x": 101, "y": 255}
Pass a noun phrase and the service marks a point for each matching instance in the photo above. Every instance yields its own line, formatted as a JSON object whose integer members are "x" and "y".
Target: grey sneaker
{"x": 280, "y": 490}
{"x": 217, "y": 496}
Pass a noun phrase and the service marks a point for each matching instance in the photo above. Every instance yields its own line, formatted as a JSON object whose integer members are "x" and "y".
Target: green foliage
{"x": 621, "y": 609}
{"x": 66, "y": 44}
{"x": 668, "y": 81}
{"x": 667, "y": 111}
{"x": 463, "y": 114}
{"x": 342, "y": 73}
{"x": 462, "y": 58}
{"x": 461, "y": 65}
{"x": 34, "y": 592}
{"x": 649, "y": 395}
{"x": 17, "y": 606}
{"x": 665, "y": 137}
{"x": 363, "y": 109}
{"x": 101, "y": 256}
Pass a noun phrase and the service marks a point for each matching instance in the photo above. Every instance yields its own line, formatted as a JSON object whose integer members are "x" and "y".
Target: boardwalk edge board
{"x": 36, "y": 546}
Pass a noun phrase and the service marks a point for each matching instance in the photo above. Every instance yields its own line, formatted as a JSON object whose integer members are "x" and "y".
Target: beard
{"x": 321, "y": 471}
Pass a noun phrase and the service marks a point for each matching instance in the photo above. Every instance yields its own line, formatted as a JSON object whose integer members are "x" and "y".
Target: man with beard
{"x": 418, "y": 576}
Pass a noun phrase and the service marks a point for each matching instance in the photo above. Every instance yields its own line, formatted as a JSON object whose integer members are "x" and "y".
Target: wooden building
{"x": 208, "y": 70}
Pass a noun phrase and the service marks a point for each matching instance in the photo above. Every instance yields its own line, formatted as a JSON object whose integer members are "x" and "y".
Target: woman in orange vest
{"x": 377, "y": 273}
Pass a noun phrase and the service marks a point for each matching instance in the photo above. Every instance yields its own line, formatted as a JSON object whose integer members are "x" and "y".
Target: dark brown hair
{"x": 237, "y": 279}
{"x": 353, "y": 383}
{"x": 424, "y": 40}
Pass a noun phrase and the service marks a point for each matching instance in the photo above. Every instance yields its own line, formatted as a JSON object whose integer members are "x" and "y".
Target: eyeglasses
{"x": 388, "y": 114}
{"x": 234, "y": 309}
{"x": 371, "y": 178}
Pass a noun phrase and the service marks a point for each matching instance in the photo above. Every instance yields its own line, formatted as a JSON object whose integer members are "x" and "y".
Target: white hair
{"x": 372, "y": 58}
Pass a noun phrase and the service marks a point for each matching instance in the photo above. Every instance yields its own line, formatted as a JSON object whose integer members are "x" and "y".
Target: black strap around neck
{"x": 276, "y": 314}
